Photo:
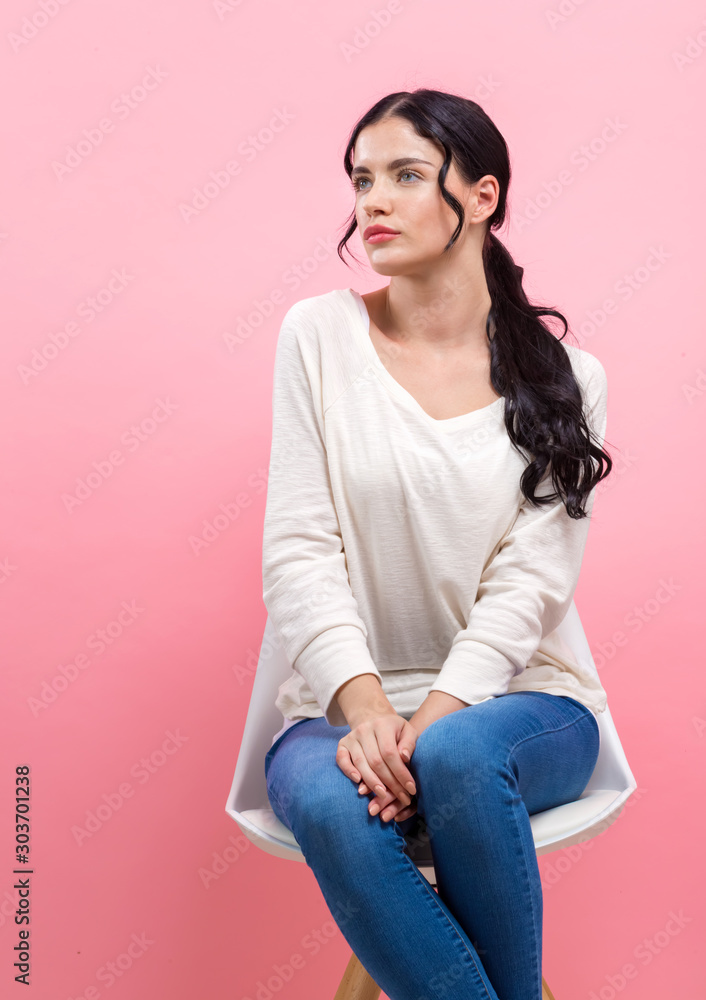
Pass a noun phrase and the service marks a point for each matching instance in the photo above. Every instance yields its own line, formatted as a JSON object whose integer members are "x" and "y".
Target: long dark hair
{"x": 528, "y": 364}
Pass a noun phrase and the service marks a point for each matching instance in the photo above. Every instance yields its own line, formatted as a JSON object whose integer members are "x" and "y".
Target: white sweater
{"x": 400, "y": 545}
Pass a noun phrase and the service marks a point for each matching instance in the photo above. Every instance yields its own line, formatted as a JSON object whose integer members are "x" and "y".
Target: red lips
{"x": 371, "y": 230}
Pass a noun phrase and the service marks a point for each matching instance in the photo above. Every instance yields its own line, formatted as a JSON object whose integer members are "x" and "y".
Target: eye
{"x": 358, "y": 181}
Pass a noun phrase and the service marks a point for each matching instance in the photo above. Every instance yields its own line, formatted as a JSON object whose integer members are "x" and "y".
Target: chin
{"x": 387, "y": 269}
{"x": 390, "y": 268}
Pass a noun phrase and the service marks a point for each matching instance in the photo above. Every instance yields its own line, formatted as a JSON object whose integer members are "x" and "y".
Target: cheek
{"x": 430, "y": 221}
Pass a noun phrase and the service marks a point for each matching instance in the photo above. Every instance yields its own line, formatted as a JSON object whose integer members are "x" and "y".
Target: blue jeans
{"x": 480, "y": 772}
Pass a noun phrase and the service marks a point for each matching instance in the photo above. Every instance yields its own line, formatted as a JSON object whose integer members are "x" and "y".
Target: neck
{"x": 444, "y": 315}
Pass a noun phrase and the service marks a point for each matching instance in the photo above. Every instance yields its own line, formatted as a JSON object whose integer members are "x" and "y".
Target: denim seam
{"x": 272, "y": 794}
{"x": 430, "y": 893}
{"x": 547, "y": 732}
{"x": 270, "y": 789}
{"x": 528, "y": 891}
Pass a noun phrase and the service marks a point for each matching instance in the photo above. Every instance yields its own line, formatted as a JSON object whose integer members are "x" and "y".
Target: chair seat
{"x": 565, "y": 824}
{"x": 266, "y": 822}
{"x": 560, "y": 823}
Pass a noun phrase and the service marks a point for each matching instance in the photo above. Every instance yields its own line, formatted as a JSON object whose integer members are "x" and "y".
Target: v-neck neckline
{"x": 361, "y": 327}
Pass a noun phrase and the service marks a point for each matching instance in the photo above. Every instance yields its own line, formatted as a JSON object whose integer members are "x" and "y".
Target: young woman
{"x": 431, "y": 480}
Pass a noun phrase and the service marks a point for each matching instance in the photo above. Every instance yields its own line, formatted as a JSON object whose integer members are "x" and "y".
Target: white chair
{"x": 599, "y": 805}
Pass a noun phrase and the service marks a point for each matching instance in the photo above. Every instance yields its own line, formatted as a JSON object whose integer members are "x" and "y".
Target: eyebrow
{"x": 393, "y": 165}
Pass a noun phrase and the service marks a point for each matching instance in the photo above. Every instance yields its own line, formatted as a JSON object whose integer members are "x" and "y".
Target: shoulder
{"x": 318, "y": 331}
{"x": 586, "y": 366}
{"x": 593, "y": 382}
{"x": 316, "y": 336}
{"x": 315, "y": 310}
{"x": 589, "y": 371}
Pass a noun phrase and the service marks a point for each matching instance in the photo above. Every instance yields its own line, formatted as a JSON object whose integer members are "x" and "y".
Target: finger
{"x": 404, "y": 776}
{"x": 406, "y": 813}
{"x": 373, "y": 767}
{"x": 345, "y": 762}
{"x": 382, "y": 780}
{"x": 389, "y": 812}
{"x": 396, "y": 776}
{"x": 388, "y": 783}
{"x": 380, "y": 802}
{"x": 405, "y": 749}
{"x": 365, "y": 756}
{"x": 403, "y": 812}
{"x": 395, "y": 810}
{"x": 407, "y": 741}
{"x": 359, "y": 758}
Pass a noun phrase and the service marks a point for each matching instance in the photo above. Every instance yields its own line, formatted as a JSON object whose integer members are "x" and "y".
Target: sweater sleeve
{"x": 527, "y": 586}
{"x": 306, "y": 588}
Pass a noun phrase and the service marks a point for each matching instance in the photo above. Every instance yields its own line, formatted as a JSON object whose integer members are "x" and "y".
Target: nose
{"x": 377, "y": 198}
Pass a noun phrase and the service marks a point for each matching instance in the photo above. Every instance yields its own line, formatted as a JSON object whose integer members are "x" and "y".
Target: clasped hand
{"x": 373, "y": 754}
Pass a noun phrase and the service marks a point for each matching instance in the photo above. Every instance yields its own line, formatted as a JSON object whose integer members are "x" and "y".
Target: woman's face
{"x": 404, "y": 197}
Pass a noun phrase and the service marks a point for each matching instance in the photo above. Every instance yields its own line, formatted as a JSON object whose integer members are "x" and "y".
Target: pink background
{"x": 166, "y": 388}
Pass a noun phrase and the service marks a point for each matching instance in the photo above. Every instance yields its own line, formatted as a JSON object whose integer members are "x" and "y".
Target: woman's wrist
{"x": 362, "y": 698}
{"x": 435, "y": 706}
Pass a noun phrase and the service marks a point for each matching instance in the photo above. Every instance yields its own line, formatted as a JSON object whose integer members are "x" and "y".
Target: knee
{"x": 334, "y": 830}
{"x": 324, "y": 806}
{"x": 459, "y": 752}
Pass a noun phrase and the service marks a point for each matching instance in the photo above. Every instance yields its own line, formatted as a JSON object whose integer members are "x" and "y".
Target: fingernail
{"x": 411, "y": 787}
{"x": 380, "y": 789}
{"x": 374, "y": 809}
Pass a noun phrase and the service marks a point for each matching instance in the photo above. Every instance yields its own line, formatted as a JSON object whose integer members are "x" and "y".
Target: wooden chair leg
{"x": 357, "y": 983}
{"x": 546, "y": 992}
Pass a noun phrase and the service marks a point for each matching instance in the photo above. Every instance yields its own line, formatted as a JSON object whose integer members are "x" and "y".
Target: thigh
{"x": 546, "y": 744}
{"x": 303, "y": 778}
{"x": 553, "y": 763}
